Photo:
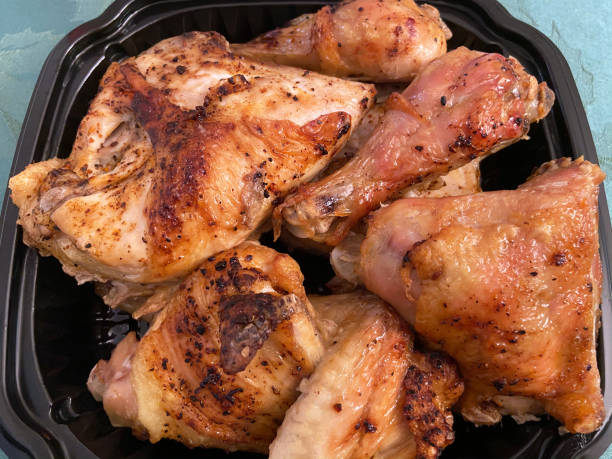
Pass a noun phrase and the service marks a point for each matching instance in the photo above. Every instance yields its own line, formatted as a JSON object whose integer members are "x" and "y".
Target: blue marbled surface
{"x": 30, "y": 28}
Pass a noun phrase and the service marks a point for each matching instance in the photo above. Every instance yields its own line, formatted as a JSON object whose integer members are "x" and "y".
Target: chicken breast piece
{"x": 222, "y": 359}
{"x": 464, "y": 105}
{"x": 182, "y": 154}
{"x": 372, "y": 395}
{"x": 375, "y": 40}
{"x": 508, "y": 284}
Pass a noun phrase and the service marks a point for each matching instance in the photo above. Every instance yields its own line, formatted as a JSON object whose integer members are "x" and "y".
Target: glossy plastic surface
{"x": 52, "y": 331}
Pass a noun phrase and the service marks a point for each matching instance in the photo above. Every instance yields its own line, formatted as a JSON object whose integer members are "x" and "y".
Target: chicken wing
{"x": 464, "y": 105}
{"x": 372, "y": 395}
{"x": 182, "y": 154}
{"x": 222, "y": 359}
{"x": 375, "y": 40}
{"x": 508, "y": 284}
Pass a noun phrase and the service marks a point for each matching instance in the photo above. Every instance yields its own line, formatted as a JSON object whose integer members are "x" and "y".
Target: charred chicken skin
{"x": 372, "y": 395}
{"x": 222, "y": 359}
{"x": 464, "y": 105}
{"x": 182, "y": 154}
{"x": 188, "y": 148}
{"x": 508, "y": 284}
{"x": 373, "y": 40}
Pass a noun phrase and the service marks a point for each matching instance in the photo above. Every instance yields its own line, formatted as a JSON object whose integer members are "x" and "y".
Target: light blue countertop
{"x": 30, "y": 28}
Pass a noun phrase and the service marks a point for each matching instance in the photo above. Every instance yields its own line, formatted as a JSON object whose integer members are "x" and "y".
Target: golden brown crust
{"x": 191, "y": 376}
{"x": 326, "y": 45}
{"x": 508, "y": 284}
{"x": 373, "y": 394}
{"x": 537, "y": 282}
{"x": 373, "y": 40}
{"x": 433, "y": 386}
{"x": 183, "y": 153}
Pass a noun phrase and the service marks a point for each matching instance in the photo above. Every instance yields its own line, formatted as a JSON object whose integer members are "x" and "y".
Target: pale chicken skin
{"x": 372, "y": 395}
{"x": 373, "y": 40}
{"x": 508, "y": 284}
{"x": 460, "y": 181}
{"x": 464, "y": 105}
{"x": 223, "y": 358}
{"x": 463, "y": 180}
{"x": 182, "y": 154}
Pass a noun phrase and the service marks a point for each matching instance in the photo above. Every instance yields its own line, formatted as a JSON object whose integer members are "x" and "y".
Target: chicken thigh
{"x": 508, "y": 284}
{"x": 464, "y": 105}
{"x": 374, "y": 40}
{"x": 222, "y": 359}
{"x": 182, "y": 154}
{"x": 372, "y": 395}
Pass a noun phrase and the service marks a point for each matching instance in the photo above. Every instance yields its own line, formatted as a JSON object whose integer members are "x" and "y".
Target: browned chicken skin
{"x": 374, "y": 40}
{"x": 182, "y": 154}
{"x": 507, "y": 283}
{"x": 372, "y": 395}
{"x": 345, "y": 257}
{"x": 222, "y": 359}
{"x": 432, "y": 387}
{"x": 463, "y": 105}
{"x": 463, "y": 180}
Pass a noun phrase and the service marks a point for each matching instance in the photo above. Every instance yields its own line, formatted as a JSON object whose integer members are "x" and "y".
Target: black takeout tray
{"x": 52, "y": 331}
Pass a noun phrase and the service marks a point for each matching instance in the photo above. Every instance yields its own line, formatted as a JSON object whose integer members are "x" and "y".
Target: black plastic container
{"x": 52, "y": 331}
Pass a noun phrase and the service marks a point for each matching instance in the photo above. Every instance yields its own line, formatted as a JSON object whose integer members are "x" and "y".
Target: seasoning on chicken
{"x": 374, "y": 40}
{"x": 222, "y": 359}
{"x": 345, "y": 257}
{"x": 464, "y": 105}
{"x": 182, "y": 154}
{"x": 508, "y": 283}
{"x": 372, "y": 395}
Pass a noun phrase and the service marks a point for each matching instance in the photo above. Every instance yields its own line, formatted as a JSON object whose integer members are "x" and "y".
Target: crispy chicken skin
{"x": 222, "y": 360}
{"x": 182, "y": 154}
{"x": 464, "y": 105}
{"x": 372, "y": 395}
{"x": 508, "y": 284}
{"x": 374, "y": 40}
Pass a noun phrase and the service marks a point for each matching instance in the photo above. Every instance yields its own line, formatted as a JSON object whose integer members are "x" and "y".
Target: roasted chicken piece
{"x": 182, "y": 154}
{"x": 222, "y": 359}
{"x": 345, "y": 257}
{"x": 464, "y": 105}
{"x": 508, "y": 284}
{"x": 374, "y": 40}
{"x": 460, "y": 181}
{"x": 362, "y": 132}
{"x": 463, "y": 180}
{"x": 372, "y": 395}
